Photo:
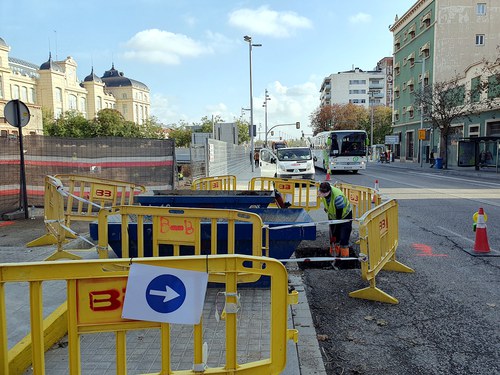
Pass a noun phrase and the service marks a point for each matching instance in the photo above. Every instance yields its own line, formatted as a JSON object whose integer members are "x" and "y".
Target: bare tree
{"x": 445, "y": 103}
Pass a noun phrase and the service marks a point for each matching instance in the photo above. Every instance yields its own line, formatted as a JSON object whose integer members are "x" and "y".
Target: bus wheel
{"x": 355, "y": 171}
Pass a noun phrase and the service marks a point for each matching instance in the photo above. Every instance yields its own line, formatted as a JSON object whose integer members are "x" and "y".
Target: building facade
{"x": 54, "y": 87}
{"x": 437, "y": 41}
{"x": 356, "y": 86}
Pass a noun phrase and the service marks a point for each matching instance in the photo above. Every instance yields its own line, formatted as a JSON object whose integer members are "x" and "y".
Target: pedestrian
{"x": 432, "y": 159}
{"x": 256, "y": 158}
{"x": 337, "y": 207}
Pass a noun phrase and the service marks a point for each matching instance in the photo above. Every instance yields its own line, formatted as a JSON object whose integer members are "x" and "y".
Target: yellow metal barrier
{"x": 215, "y": 183}
{"x": 96, "y": 288}
{"x": 378, "y": 234}
{"x": 54, "y": 219}
{"x": 96, "y": 193}
{"x": 180, "y": 227}
{"x": 299, "y": 193}
{"x": 362, "y": 198}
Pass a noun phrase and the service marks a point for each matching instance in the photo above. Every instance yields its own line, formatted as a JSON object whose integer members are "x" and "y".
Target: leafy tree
{"x": 337, "y": 117}
{"x": 181, "y": 134}
{"x": 449, "y": 101}
{"x": 243, "y": 131}
{"x": 69, "y": 124}
{"x": 207, "y": 123}
{"x": 152, "y": 129}
{"x": 382, "y": 123}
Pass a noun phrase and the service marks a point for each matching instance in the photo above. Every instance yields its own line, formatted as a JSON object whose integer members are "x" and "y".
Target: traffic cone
{"x": 328, "y": 175}
{"x": 376, "y": 192}
{"x": 481, "y": 245}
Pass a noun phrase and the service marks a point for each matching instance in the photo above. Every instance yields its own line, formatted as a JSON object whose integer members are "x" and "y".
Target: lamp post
{"x": 248, "y": 39}
{"x": 372, "y": 93}
{"x": 422, "y": 84}
{"x": 266, "y": 99}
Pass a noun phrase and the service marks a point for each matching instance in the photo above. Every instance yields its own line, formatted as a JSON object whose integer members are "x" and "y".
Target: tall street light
{"x": 266, "y": 99}
{"x": 372, "y": 93}
{"x": 248, "y": 39}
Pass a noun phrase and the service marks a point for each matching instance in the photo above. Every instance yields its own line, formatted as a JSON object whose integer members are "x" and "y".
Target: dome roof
{"x": 114, "y": 78}
{"x": 92, "y": 77}
{"x": 50, "y": 65}
{"x": 2, "y": 43}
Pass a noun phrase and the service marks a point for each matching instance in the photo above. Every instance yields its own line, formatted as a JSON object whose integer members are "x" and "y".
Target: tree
{"x": 181, "y": 134}
{"x": 243, "y": 131}
{"x": 337, "y": 117}
{"x": 69, "y": 124}
{"x": 382, "y": 123}
{"x": 447, "y": 102}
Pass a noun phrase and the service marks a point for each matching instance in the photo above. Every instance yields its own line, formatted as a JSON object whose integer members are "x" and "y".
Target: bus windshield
{"x": 293, "y": 154}
{"x": 348, "y": 144}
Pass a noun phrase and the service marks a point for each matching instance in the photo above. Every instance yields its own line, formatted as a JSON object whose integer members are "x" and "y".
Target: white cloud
{"x": 287, "y": 106}
{"x": 265, "y": 21}
{"x": 162, "y": 107}
{"x": 360, "y": 18}
{"x": 163, "y": 47}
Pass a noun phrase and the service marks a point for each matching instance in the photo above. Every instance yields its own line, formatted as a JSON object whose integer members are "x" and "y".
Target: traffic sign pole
{"x": 18, "y": 115}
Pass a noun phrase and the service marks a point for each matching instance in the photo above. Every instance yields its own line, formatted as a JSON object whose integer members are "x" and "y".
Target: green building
{"x": 437, "y": 41}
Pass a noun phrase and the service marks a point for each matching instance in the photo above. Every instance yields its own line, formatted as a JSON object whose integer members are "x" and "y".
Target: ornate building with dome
{"x": 54, "y": 86}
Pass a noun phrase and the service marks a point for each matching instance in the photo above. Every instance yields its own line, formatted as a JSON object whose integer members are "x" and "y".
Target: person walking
{"x": 337, "y": 207}
{"x": 256, "y": 158}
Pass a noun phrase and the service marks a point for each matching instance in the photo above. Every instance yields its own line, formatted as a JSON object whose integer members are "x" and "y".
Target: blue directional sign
{"x": 165, "y": 293}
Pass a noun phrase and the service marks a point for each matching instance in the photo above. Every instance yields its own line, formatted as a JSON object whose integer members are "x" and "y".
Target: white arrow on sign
{"x": 169, "y": 294}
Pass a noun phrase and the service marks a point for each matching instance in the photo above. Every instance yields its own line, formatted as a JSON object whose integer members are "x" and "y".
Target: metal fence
{"x": 149, "y": 162}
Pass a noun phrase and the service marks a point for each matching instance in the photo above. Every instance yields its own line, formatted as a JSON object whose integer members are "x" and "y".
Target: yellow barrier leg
{"x": 63, "y": 254}
{"x": 394, "y": 265}
{"x": 373, "y": 293}
{"x": 46, "y": 239}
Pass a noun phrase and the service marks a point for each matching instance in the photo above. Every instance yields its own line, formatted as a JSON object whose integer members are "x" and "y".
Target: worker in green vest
{"x": 337, "y": 207}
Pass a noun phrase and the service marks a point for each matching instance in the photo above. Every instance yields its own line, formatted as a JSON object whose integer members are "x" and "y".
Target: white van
{"x": 288, "y": 162}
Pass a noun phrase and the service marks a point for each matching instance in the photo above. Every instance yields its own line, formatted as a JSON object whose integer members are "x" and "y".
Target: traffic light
{"x": 297, "y": 125}
{"x": 272, "y": 132}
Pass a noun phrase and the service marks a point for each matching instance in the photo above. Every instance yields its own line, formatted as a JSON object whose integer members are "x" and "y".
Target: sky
{"x": 192, "y": 55}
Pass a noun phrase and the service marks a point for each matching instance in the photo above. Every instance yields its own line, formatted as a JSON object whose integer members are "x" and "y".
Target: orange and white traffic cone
{"x": 374, "y": 196}
{"x": 481, "y": 245}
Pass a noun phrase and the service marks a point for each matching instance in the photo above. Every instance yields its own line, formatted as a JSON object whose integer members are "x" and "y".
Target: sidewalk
{"x": 489, "y": 173}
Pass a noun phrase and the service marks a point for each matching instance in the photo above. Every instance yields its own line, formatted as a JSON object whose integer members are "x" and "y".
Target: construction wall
{"x": 148, "y": 162}
{"x": 227, "y": 158}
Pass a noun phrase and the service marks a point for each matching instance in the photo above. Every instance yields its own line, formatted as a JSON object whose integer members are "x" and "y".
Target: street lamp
{"x": 372, "y": 93}
{"x": 422, "y": 84}
{"x": 248, "y": 39}
{"x": 266, "y": 99}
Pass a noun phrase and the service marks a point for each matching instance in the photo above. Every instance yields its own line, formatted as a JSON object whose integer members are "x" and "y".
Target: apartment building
{"x": 54, "y": 86}
{"x": 436, "y": 41}
{"x": 356, "y": 86}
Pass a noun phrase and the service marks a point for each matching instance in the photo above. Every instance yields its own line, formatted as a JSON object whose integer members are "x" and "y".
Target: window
{"x": 410, "y": 111}
{"x": 396, "y": 115}
{"x": 396, "y": 92}
{"x": 411, "y": 31}
{"x": 479, "y": 39}
{"x": 99, "y": 104}
{"x": 410, "y": 85}
{"x": 24, "y": 93}
{"x": 72, "y": 102}
{"x": 426, "y": 20}
{"x": 475, "y": 89}
{"x": 1, "y": 87}
{"x": 473, "y": 131}
{"x": 397, "y": 69}
{"x": 481, "y": 9}
{"x": 397, "y": 44}
{"x": 493, "y": 87}
{"x": 15, "y": 92}
{"x": 124, "y": 95}
{"x": 58, "y": 95}
{"x": 32, "y": 98}
{"x": 124, "y": 110}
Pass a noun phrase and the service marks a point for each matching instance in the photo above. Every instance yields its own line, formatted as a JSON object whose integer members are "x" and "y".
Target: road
{"x": 447, "y": 321}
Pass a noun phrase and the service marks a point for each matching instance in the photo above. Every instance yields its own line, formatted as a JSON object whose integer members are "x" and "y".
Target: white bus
{"x": 340, "y": 150}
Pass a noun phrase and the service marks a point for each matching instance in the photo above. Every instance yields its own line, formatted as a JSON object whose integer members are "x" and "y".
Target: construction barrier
{"x": 298, "y": 193}
{"x": 96, "y": 290}
{"x": 178, "y": 227}
{"x": 215, "y": 183}
{"x": 362, "y": 198}
{"x": 55, "y": 220}
{"x": 378, "y": 235}
{"x": 89, "y": 194}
